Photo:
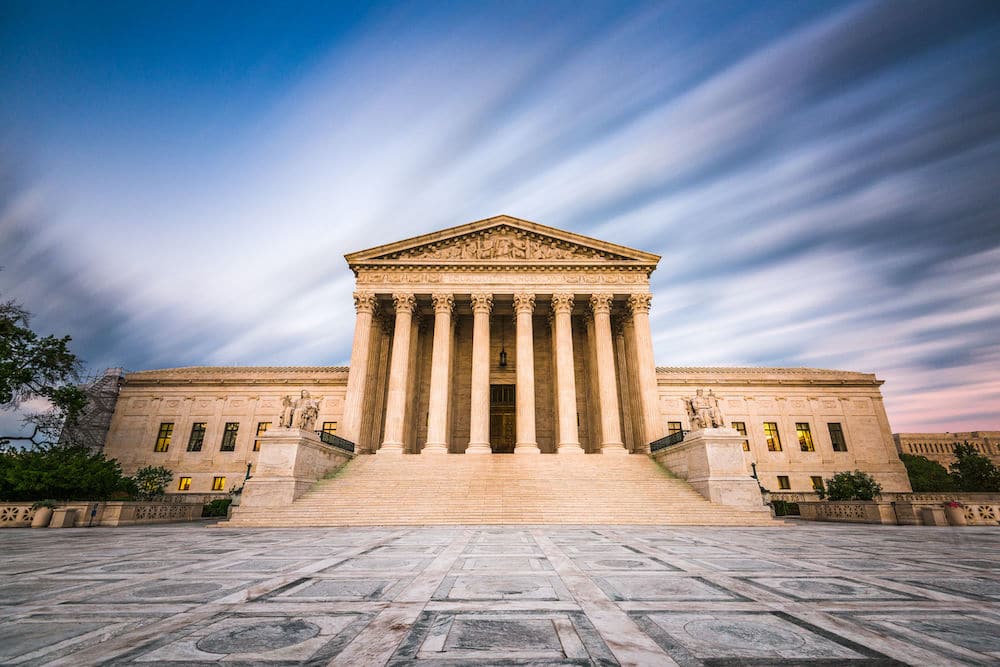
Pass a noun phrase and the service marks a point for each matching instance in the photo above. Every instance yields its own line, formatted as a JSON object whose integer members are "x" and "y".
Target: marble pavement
{"x": 547, "y": 595}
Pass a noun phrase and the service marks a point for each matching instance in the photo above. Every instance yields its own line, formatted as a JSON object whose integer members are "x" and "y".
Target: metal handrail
{"x": 673, "y": 439}
{"x": 335, "y": 441}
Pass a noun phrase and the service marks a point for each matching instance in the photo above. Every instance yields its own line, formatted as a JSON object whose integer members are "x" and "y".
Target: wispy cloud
{"x": 819, "y": 180}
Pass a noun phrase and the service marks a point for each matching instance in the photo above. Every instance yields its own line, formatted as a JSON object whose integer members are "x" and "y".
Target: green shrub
{"x": 785, "y": 508}
{"x": 855, "y": 485}
{"x": 151, "y": 481}
{"x": 926, "y": 475}
{"x": 217, "y": 507}
{"x": 972, "y": 471}
{"x": 60, "y": 473}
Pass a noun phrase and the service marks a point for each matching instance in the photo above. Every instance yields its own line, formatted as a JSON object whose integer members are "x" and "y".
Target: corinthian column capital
{"x": 365, "y": 302}
{"x": 443, "y": 303}
{"x": 524, "y": 303}
{"x": 601, "y": 303}
{"x": 639, "y": 303}
{"x": 405, "y": 302}
{"x": 562, "y": 302}
{"x": 482, "y": 303}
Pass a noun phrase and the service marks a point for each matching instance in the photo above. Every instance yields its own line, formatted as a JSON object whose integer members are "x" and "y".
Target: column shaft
{"x": 395, "y": 409}
{"x": 611, "y": 436}
{"x": 437, "y": 409}
{"x": 357, "y": 385}
{"x": 646, "y": 368}
{"x": 479, "y": 419}
{"x": 524, "y": 391}
{"x": 569, "y": 438}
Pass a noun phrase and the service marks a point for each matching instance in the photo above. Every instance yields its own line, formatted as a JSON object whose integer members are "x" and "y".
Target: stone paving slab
{"x": 802, "y": 594}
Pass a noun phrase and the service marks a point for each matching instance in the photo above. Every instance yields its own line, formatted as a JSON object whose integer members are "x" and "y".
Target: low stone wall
{"x": 904, "y": 512}
{"x": 112, "y": 513}
{"x": 855, "y": 511}
{"x": 16, "y": 515}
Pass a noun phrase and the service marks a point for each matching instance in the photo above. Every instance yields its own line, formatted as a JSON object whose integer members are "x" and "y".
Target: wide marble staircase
{"x": 500, "y": 489}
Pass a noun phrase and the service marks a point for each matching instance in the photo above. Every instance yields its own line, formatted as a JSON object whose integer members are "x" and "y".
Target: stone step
{"x": 463, "y": 489}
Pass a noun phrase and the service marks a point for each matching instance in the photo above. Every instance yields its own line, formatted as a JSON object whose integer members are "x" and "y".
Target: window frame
{"x": 261, "y": 430}
{"x": 674, "y": 427}
{"x": 773, "y": 439}
{"x": 784, "y": 484}
{"x": 817, "y": 483}
{"x": 195, "y": 446}
{"x": 163, "y": 437}
{"x": 184, "y": 484}
{"x": 804, "y": 435}
{"x": 741, "y": 428}
{"x": 229, "y": 437}
{"x": 219, "y": 483}
{"x": 840, "y": 435}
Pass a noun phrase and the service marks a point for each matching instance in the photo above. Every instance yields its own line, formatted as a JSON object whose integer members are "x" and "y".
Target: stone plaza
{"x": 799, "y": 594}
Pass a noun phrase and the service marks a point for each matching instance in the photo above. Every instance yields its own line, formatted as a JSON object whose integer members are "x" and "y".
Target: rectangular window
{"x": 261, "y": 430}
{"x": 772, "y": 437}
{"x": 197, "y": 437}
{"x": 805, "y": 437}
{"x": 185, "y": 484}
{"x": 163, "y": 437}
{"x": 218, "y": 483}
{"x": 741, "y": 428}
{"x": 229, "y": 437}
{"x": 783, "y": 482}
{"x": 817, "y": 482}
{"x": 673, "y": 427}
{"x": 837, "y": 437}
{"x": 329, "y": 428}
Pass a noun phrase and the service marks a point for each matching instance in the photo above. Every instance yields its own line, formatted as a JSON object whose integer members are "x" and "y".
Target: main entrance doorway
{"x": 502, "y": 416}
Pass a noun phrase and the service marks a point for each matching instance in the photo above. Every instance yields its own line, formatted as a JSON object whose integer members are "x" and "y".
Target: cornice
{"x": 734, "y": 375}
{"x": 226, "y": 375}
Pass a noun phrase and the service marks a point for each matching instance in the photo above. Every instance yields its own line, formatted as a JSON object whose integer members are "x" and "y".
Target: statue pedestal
{"x": 291, "y": 461}
{"x": 711, "y": 460}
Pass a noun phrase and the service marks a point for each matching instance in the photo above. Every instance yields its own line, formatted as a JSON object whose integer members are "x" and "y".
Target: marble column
{"x": 437, "y": 408}
{"x": 479, "y": 419}
{"x": 569, "y": 438}
{"x": 607, "y": 383}
{"x": 524, "y": 391}
{"x": 399, "y": 364}
{"x": 357, "y": 379}
{"x": 646, "y": 368}
{"x": 625, "y": 390}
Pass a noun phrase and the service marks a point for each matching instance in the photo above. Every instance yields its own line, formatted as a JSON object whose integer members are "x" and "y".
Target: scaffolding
{"x": 91, "y": 428}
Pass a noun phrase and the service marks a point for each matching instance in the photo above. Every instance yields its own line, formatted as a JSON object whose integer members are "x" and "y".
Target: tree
{"x": 60, "y": 473}
{"x": 855, "y": 485}
{"x": 926, "y": 475}
{"x": 974, "y": 472}
{"x": 34, "y": 366}
{"x": 151, "y": 481}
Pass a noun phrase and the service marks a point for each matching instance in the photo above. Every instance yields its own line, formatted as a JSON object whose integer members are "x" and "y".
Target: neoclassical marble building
{"x": 504, "y": 336}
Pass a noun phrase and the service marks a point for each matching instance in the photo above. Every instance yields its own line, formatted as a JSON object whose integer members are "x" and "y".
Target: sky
{"x": 179, "y": 181}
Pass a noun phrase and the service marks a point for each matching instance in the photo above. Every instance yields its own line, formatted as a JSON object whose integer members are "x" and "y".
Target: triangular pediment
{"x": 501, "y": 240}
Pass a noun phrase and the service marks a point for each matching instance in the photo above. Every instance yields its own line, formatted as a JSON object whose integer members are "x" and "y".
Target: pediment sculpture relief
{"x": 503, "y": 243}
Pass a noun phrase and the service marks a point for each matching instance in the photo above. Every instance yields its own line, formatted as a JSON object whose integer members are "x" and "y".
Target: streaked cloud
{"x": 820, "y": 179}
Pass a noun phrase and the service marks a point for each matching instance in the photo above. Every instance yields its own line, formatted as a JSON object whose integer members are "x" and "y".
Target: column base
{"x": 570, "y": 448}
{"x": 479, "y": 448}
{"x": 436, "y": 448}
{"x": 390, "y": 448}
{"x": 614, "y": 449}
{"x": 527, "y": 448}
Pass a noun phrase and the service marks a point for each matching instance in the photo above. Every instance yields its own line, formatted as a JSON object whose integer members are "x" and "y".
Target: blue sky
{"x": 179, "y": 182}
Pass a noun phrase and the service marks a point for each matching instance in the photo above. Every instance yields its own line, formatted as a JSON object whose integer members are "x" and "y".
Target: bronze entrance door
{"x": 502, "y": 415}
